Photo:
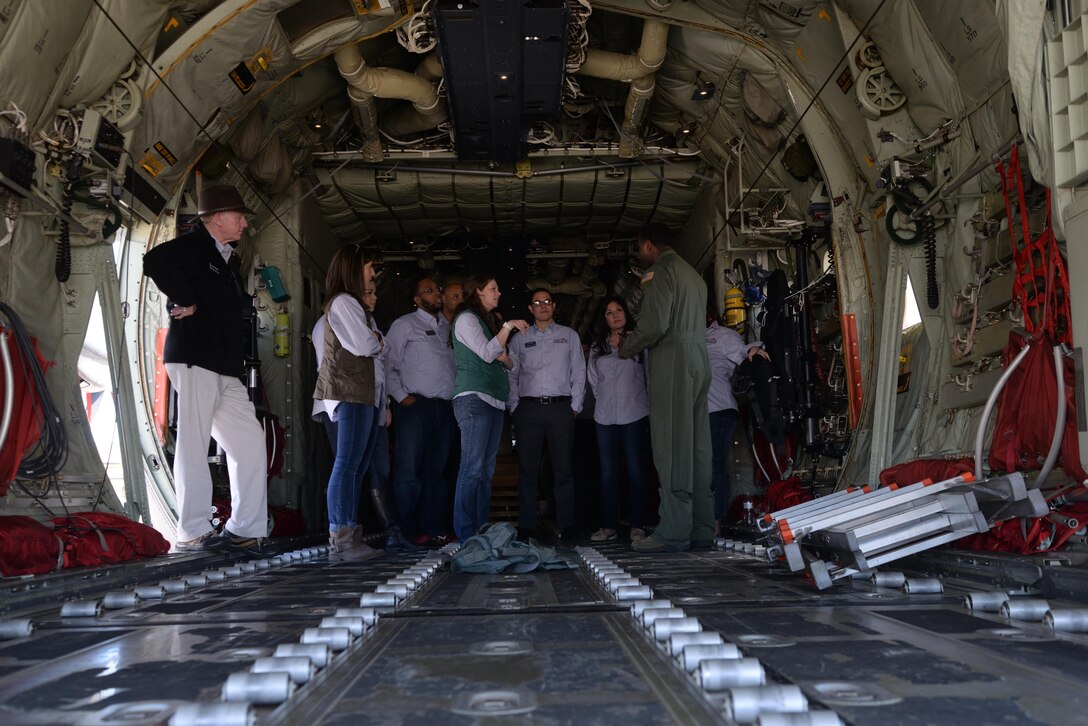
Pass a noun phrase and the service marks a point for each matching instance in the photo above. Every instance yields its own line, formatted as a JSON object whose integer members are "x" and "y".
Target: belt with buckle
{"x": 545, "y": 399}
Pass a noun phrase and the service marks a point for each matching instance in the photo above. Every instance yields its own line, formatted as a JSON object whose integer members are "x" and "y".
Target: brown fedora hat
{"x": 220, "y": 198}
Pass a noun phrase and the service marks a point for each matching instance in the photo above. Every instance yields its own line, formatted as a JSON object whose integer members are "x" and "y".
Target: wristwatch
{"x": 508, "y": 326}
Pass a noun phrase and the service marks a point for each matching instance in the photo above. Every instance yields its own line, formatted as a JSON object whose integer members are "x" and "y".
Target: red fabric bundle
{"x": 1027, "y": 408}
{"x": 286, "y": 522}
{"x": 910, "y": 472}
{"x": 96, "y": 538}
{"x": 27, "y": 547}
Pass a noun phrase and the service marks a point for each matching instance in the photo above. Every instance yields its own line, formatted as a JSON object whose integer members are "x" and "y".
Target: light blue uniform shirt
{"x": 619, "y": 385}
{"x": 419, "y": 358}
{"x": 547, "y": 362}
{"x": 727, "y": 350}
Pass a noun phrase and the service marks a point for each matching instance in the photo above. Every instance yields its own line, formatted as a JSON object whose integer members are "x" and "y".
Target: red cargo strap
{"x": 1041, "y": 285}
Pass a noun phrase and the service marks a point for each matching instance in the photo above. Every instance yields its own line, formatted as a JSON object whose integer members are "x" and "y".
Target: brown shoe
{"x": 193, "y": 545}
{"x": 343, "y": 546}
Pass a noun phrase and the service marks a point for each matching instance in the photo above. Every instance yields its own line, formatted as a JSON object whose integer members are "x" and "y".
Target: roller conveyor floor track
{"x": 550, "y": 648}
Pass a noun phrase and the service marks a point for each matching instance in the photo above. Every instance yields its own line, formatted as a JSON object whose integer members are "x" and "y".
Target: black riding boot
{"x": 384, "y": 507}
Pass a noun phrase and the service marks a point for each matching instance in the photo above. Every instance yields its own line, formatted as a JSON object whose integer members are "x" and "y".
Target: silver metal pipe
{"x": 214, "y": 714}
{"x": 679, "y": 641}
{"x": 595, "y": 167}
{"x": 18, "y": 628}
{"x": 1059, "y": 422}
{"x": 990, "y": 403}
{"x": 1058, "y": 518}
{"x": 923, "y": 586}
{"x": 9, "y": 388}
{"x": 665, "y": 627}
{"x": 1072, "y": 620}
{"x": 888, "y": 579}
{"x": 81, "y": 609}
{"x": 985, "y": 602}
{"x": 1024, "y": 608}
{"x": 299, "y": 668}
{"x": 318, "y": 653}
{"x": 720, "y": 674}
{"x": 965, "y": 177}
{"x": 745, "y": 704}
{"x": 268, "y": 689}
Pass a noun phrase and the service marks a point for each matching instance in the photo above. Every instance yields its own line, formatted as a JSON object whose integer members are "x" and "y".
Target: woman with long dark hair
{"x": 349, "y": 389}
{"x": 621, "y": 413}
{"x": 479, "y": 398}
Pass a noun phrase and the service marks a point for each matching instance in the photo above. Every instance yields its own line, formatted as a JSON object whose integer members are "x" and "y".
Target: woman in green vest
{"x": 479, "y": 398}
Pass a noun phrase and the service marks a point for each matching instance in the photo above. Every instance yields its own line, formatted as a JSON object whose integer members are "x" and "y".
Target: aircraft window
{"x": 95, "y": 384}
{"x": 94, "y": 381}
{"x": 911, "y": 315}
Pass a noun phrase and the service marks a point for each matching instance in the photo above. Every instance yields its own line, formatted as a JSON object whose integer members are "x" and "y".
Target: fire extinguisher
{"x": 281, "y": 334}
{"x": 735, "y": 313}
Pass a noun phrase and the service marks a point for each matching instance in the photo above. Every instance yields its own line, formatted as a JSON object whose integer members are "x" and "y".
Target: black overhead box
{"x": 503, "y": 62}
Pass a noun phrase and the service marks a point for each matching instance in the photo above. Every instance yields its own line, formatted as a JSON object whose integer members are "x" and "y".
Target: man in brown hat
{"x": 204, "y": 356}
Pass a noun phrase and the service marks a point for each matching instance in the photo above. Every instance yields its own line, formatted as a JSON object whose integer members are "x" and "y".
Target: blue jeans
{"x": 424, "y": 436}
{"x": 356, "y": 432}
{"x": 481, "y": 430}
{"x": 722, "y": 424}
{"x": 631, "y": 441}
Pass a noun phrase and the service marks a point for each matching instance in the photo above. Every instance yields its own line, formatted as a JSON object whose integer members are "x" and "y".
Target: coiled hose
{"x": 929, "y": 236}
{"x": 63, "y": 266}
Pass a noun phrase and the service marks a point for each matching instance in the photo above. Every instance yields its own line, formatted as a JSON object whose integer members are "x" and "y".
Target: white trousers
{"x": 210, "y": 404}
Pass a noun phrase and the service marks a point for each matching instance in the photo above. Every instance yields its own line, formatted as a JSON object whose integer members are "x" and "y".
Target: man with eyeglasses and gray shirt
{"x": 547, "y": 388}
{"x": 421, "y": 371}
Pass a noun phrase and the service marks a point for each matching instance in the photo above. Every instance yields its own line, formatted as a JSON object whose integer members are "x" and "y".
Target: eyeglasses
{"x": 429, "y": 290}
{"x": 542, "y": 303}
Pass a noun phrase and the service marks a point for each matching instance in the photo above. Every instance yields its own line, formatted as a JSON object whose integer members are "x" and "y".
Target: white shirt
{"x": 225, "y": 249}
{"x": 349, "y": 323}
{"x": 727, "y": 350}
{"x": 471, "y": 333}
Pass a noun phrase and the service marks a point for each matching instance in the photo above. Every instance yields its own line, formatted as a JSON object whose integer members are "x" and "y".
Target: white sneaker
{"x": 603, "y": 535}
{"x": 637, "y": 533}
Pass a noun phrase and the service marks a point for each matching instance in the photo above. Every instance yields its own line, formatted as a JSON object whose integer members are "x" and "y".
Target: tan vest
{"x": 343, "y": 375}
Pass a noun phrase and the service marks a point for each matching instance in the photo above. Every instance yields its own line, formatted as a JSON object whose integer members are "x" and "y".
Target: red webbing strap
{"x": 1039, "y": 264}
{"x": 1057, "y": 317}
{"x": 1009, "y": 177}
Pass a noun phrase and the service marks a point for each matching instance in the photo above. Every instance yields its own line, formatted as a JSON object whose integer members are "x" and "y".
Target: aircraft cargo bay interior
{"x": 543, "y": 361}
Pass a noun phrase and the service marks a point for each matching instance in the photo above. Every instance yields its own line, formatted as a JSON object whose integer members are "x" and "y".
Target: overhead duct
{"x": 557, "y": 270}
{"x": 638, "y": 69}
{"x": 410, "y": 120}
{"x": 366, "y": 83}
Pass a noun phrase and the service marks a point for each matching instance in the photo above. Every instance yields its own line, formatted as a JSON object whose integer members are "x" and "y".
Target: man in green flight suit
{"x": 671, "y": 322}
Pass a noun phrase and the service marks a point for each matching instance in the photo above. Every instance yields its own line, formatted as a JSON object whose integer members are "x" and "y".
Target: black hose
{"x": 905, "y": 201}
{"x": 929, "y": 235}
{"x": 741, "y": 267}
{"x": 63, "y": 266}
{"x": 52, "y": 448}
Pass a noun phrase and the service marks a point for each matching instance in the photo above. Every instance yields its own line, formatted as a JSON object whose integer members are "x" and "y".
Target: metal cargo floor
{"x": 545, "y": 648}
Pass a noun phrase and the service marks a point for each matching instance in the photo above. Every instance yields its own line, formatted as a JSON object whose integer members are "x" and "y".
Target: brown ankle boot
{"x": 343, "y": 545}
